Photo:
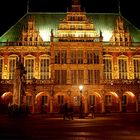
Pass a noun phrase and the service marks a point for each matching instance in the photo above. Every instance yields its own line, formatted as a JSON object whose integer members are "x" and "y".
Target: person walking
{"x": 65, "y": 111}
{"x": 92, "y": 111}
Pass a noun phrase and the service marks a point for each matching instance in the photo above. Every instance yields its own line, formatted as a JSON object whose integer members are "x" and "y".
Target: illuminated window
{"x": 44, "y": 67}
{"x": 96, "y": 76}
{"x": 136, "y": 65}
{"x": 73, "y": 76}
{"x": 57, "y": 57}
{"x": 108, "y": 100}
{"x": 96, "y": 57}
{"x": 28, "y": 100}
{"x": 77, "y": 77}
{"x": 61, "y": 76}
{"x": 12, "y": 66}
{"x": 73, "y": 57}
{"x": 122, "y": 63}
{"x": 1, "y": 66}
{"x": 63, "y": 56}
{"x": 80, "y": 56}
{"x": 76, "y": 100}
{"x": 60, "y": 99}
{"x": 92, "y": 99}
{"x": 107, "y": 67}
{"x": 139, "y": 99}
{"x": 90, "y": 77}
{"x": 80, "y": 76}
{"x": 89, "y": 57}
{"x": 29, "y": 66}
{"x": 124, "y": 100}
{"x": 44, "y": 100}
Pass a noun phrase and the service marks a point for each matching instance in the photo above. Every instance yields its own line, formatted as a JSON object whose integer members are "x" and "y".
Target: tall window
{"x": 73, "y": 57}
{"x": 136, "y": 64}
{"x": 1, "y": 65}
{"x": 28, "y": 100}
{"x": 80, "y": 56}
{"x": 74, "y": 77}
{"x": 138, "y": 98}
{"x": 63, "y": 56}
{"x": 80, "y": 76}
{"x": 90, "y": 77}
{"x": 60, "y": 99}
{"x": 124, "y": 100}
{"x": 57, "y": 57}
{"x": 96, "y": 76}
{"x": 61, "y": 76}
{"x": 108, "y": 100}
{"x": 89, "y": 57}
{"x": 77, "y": 77}
{"x": 92, "y": 99}
{"x": 122, "y": 63}
{"x": 96, "y": 57}
{"x": 12, "y": 66}
{"x": 44, "y": 100}
{"x": 44, "y": 67}
{"x": 29, "y": 66}
{"x": 107, "y": 68}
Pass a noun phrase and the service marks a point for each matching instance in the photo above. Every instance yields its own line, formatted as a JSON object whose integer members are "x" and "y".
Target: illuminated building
{"x": 61, "y": 51}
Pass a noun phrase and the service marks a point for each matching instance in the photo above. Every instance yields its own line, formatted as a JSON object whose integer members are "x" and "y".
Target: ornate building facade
{"x": 61, "y": 51}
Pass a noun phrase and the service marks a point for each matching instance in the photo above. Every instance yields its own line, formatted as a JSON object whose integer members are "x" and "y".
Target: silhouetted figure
{"x": 65, "y": 111}
{"x": 92, "y": 111}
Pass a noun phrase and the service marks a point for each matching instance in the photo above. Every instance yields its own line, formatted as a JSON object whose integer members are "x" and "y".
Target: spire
{"x": 119, "y": 7}
{"x": 76, "y": 6}
{"x": 75, "y": 2}
{"x": 27, "y": 6}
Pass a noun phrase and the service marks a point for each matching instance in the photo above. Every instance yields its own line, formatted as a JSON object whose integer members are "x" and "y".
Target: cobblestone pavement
{"x": 41, "y": 127}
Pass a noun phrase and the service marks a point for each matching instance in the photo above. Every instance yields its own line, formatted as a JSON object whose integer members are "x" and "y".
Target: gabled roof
{"x": 104, "y": 22}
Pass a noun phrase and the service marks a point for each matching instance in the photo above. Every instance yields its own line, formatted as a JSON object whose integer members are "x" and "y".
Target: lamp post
{"x": 81, "y": 112}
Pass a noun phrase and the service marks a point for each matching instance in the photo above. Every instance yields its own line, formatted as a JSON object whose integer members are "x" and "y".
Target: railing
{"x": 123, "y": 44}
{"x": 121, "y": 81}
{"x": 31, "y": 81}
{"x": 77, "y": 39}
{"x": 68, "y": 39}
{"x": 25, "y": 43}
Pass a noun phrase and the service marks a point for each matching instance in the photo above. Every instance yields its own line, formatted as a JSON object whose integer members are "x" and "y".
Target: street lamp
{"x": 81, "y": 112}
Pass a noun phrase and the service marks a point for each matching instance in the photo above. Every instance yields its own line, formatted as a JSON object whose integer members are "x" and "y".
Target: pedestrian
{"x": 65, "y": 110}
{"x": 70, "y": 112}
{"x": 92, "y": 111}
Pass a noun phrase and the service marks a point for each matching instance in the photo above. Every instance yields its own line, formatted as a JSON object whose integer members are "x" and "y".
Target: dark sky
{"x": 13, "y": 10}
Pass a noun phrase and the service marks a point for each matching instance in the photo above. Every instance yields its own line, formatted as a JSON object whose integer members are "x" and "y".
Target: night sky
{"x": 13, "y": 10}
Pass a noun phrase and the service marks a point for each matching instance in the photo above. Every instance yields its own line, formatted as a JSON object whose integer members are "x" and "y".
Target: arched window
{"x": 1, "y": 66}
{"x": 107, "y": 60}
{"x": 123, "y": 66}
{"x": 44, "y": 67}
{"x": 12, "y": 65}
{"x": 29, "y": 62}
{"x": 136, "y": 66}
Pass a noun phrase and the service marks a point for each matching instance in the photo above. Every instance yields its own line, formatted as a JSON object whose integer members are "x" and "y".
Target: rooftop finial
{"x": 119, "y": 7}
{"x": 27, "y": 6}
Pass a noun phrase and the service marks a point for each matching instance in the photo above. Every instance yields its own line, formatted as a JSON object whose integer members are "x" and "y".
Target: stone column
{"x": 103, "y": 106}
{"x": 137, "y": 106}
{"x": 86, "y": 105}
{"x": 120, "y": 105}
{"x": 51, "y": 104}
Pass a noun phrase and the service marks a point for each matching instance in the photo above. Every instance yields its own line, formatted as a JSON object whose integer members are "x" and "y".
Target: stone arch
{"x": 111, "y": 100}
{"x": 128, "y": 102}
{"x": 42, "y": 102}
{"x": 94, "y": 98}
{"x": 6, "y": 98}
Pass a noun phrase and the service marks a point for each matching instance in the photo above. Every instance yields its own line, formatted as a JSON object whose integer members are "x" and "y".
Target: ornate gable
{"x": 30, "y": 35}
{"x": 120, "y": 35}
{"x": 76, "y": 26}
